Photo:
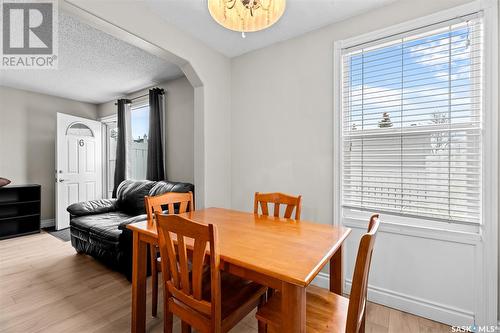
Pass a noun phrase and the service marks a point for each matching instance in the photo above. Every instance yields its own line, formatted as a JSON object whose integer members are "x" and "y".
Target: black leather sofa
{"x": 98, "y": 227}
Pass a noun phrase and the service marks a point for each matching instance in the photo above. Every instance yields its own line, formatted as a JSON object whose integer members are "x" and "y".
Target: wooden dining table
{"x": 283, "y": 254}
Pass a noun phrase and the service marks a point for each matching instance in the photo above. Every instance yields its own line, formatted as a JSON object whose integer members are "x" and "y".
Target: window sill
{"x": 437, "y": 233}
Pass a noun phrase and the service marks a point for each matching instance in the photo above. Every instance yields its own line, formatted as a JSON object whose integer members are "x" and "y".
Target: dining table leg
{"x": 293, "y": 308}
{"x": 139, "y": 267}
{"x": 336, "y": 274}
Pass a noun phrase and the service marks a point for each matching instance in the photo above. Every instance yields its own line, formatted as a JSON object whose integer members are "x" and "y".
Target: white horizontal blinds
{"x": 412, "y": 122}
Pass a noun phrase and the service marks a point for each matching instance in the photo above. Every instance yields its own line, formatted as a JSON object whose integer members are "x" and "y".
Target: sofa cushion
{"x": 130, "y": 196}
{"x": 106, "y": 231}
{"x": 81, "y": 226}
{"x": 138, "y": 218}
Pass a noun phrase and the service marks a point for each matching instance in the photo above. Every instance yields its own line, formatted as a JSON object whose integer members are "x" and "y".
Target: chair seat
{"x": 235, "y": 292}
{"x": 325, "y": 312}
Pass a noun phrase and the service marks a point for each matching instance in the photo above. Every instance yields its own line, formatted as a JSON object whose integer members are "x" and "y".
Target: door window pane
{"x": 79, "y": 129}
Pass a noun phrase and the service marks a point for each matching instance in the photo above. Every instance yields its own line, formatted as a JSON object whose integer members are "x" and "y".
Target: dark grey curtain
{"x": 121, "y": 142}
{"x": 155, "y": 169}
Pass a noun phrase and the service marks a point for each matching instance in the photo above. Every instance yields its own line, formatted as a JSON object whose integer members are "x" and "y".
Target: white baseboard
{"x": 47, "y": 223}
{"x": 424, "y": 308}
{"x": 322, "y": 280}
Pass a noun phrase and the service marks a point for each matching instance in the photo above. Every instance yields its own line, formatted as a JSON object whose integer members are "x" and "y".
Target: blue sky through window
{"x": 140, "y": 122}
{"x": 414, "y": 80}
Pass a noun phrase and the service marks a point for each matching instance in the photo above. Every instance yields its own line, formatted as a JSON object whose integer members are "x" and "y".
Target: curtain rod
{"x": 132, "y": 99}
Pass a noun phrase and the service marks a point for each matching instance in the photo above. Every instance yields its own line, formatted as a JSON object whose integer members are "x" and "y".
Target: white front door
{"x": 78, "y": 164}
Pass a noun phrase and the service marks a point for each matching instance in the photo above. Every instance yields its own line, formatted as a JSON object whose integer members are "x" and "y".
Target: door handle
{"x": 61, "y": 180}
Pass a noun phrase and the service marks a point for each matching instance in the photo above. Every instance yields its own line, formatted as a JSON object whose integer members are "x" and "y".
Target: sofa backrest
{"x": 130, "y": 194}
{"x": 166, "y": 186}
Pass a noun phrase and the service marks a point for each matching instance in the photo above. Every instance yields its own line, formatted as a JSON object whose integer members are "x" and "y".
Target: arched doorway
{"x": 189, "y": 72}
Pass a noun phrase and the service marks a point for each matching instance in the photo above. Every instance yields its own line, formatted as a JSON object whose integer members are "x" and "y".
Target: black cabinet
{"x": 19, "y": 210}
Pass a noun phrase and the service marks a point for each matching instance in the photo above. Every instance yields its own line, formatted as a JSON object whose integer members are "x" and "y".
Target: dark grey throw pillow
{"x": 4, "y": 181}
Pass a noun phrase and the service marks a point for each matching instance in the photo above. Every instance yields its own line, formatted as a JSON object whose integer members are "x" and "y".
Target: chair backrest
{"x": 278, "y": 199}
{"x": 175, "y": 235}
{"x": 357, "y": 299}
{"x": 184, "y": 202}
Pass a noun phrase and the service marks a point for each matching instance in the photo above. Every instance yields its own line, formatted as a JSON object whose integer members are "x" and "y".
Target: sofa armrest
{"x": 92, "y": 207}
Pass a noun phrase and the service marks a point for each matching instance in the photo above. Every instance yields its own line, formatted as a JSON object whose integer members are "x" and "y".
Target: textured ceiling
{"x": 93, "y": 67}
{"x": 300, "y": 16}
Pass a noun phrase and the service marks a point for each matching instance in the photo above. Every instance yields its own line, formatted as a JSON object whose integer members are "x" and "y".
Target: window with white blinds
{"x": 411, "y": 123}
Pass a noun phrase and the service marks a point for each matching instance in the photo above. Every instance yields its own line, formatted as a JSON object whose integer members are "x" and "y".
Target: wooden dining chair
{"x": 278, "y": 199}
{"x": 326, "y": 311}
{"x": 175, "y": 202}
{"x": 203, "y": 297}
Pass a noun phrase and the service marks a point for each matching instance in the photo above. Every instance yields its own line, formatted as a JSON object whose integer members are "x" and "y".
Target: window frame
{"x": 484, "y": 236}
{"x": 379, "y": 42}
{"x": 138, "y": 103}
{"x": 106, "y": 121}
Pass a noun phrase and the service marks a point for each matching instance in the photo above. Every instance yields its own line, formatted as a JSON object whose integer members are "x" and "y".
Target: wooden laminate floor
{"x": 46, "y": 287}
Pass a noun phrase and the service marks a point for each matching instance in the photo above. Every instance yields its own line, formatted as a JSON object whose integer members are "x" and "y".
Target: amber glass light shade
{"x": 246, "y": 15}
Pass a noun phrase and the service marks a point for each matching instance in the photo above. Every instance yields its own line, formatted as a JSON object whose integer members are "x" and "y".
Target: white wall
{"x": 179, "y": 148}
{"x": 499, "y": 202}
{"x": 282, "y": 140}
{"x": 212, "y": 127}
{"x": 27, "y": 138}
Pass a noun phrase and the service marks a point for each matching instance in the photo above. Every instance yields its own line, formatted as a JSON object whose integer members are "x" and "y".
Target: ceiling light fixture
{"x": 246, "y": 15}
